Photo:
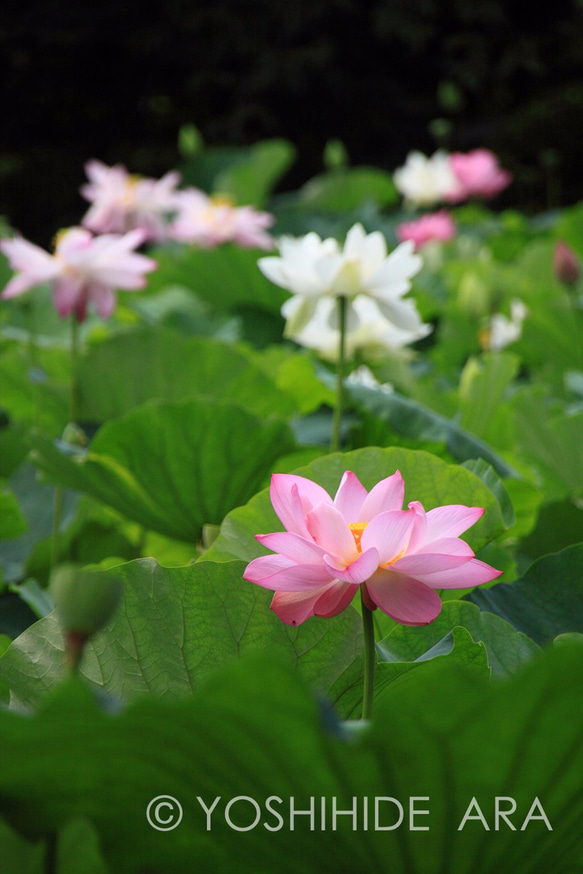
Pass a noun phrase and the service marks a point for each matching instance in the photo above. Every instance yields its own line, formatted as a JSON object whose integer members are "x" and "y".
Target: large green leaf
{"x": 345, "y": 189}
{"x": 427, "y": 479}
{"x": 457, "y": 646}
{"x": 505, "y": 649}
{"x": 227, "y": 277}
{"x": 552, "y": 441}
{"x": 251, "y": 181}
{"x": 36, "y": 501}
{"x": 442, "y": 738}
{"x": 12, "y": 522}
{"x": 34, "y": 385}
{"x": 546, "y": 602}
{"x": 135, "y": 366}
{"x": 411, "y": 419}
{"x": 172, "y": 467}
{"x": 175, "y": 626}
{"x": 483, "y": 385}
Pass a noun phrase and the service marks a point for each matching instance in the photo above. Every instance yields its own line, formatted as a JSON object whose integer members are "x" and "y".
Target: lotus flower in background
{"x": 450, "y": 178}
{"x": 438, "y": 226}
{"x": 84, "y": 269}
{"x": 209, "y": 221}
{"x": 123, "y": 202}
{"x": 426, "y": 181}
{"x": 502, "y": 330}
{"x": 314, "y": 269}
{"x": 331, "y": 547}
{"x": 478, "y": 174}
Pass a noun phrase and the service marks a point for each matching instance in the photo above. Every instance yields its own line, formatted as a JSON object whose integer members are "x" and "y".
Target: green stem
{"x": 30, "y": 330}
{"x": 74, "y": 409}
{"x": 51, "y": 854}
{"x": 57, "y": 515}
{"x": 337, "y": 420}
{"x": 369, "y": 657}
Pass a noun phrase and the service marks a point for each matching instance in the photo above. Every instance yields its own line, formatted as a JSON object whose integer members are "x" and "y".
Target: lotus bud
{"x": 565, "y": 264}
{"x": 84, "y": 600}
{"x": 473, "y": 296}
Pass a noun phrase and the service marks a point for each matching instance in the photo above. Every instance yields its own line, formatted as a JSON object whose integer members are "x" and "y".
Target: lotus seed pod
{"x": 84, "y": 599}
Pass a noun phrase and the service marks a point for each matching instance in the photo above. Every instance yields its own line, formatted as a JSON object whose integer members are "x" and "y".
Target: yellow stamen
{"x": 357, "y": 528}
{"x": 222, "y": 200}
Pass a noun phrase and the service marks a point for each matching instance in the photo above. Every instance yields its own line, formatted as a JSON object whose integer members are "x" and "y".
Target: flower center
{"x": 357, "y": 528}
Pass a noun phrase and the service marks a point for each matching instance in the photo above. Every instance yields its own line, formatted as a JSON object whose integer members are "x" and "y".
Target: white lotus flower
{"x": 503, "y": 331}
{"x": 313, "y": 269}
{"x": 426, "y": 181}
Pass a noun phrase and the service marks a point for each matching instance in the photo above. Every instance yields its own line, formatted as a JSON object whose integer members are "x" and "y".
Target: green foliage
{"x": 132, "y": 367}
{"x": 227, "y": 277}
{"x": 546, "y": 602}
{"x": 187, "y": 400}
{"x": 195, "y": 619}
{"x": 171, "y": 467}
{"x": 257, "y": 731}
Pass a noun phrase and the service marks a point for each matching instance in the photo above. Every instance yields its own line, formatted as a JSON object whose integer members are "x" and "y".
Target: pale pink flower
{"x": 122, "y": 202}
{"x": 332, "y": 546}
{"x": 84, "y": 269}
{"x": 478, "y": 174}
{"x": 209, "y": 221}
{"x": 432, "y": 226}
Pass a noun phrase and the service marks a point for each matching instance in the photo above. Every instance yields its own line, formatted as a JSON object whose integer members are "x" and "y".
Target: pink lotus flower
{"x": 331, "y": 547}
{"x": 84, "y": 269}
{"x": 122, "y": 202}
{"x": 478, "y": 174}
{"x": 209, "y": 221}
{"x": 432, "y": 226}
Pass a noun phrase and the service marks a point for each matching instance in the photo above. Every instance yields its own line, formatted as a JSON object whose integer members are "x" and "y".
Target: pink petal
{"x": 388, "y": 494}
{"x": 329, "y": 529}
{"x": 28, "y": 258}
{"x": 418, "y": 537}
{"x": 334, "y": 600}
{"x": 293, "y": 497}
{"x": 358, "y": 571}
{"x": 292, "y": 546}
{"x": 467, "y": 575}
{"x": 17, "y": 285}
{"x": 403, "y": 599}
{"x": 103, "y": 298}
{"x": 293, "y": 608}
{"x": 389, "y": 532}
{"x": 447, "y": 546}
{"x": 69, "y": 293}
{"x": 423, "y": 566}
{"x": 280, "y": 574}
{"x": 350, "y": 496}
{"x": 451, "y": 521}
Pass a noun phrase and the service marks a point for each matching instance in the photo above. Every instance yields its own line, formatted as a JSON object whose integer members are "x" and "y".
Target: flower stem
{"x": 337, "y": 420}
{"x": 56, "y": 533}
{"x": 369, "y": 657}
{"x": 51, "y": 853}
{"x": 74, "y": 407}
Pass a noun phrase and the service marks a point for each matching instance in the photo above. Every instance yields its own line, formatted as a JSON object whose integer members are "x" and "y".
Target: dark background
{"x": 116, "y": 81}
